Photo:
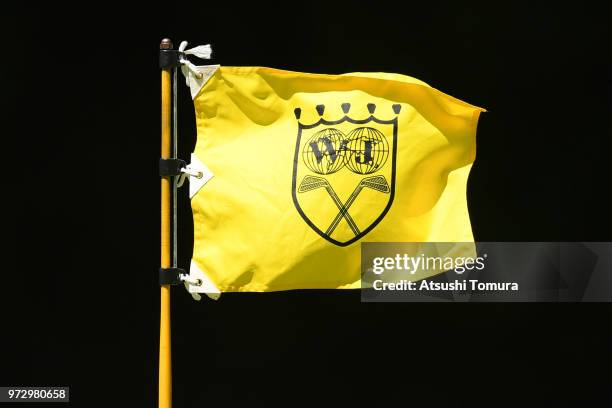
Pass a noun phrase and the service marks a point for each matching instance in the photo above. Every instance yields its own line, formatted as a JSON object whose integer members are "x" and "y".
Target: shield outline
{"x": 322, "y": 121}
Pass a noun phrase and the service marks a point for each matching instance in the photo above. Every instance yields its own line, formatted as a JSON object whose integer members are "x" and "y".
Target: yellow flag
{"x": 307, "y": 167}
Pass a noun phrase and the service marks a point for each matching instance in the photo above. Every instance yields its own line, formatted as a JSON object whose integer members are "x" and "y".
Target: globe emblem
{"x": 324, "y": 153}
{"x": 367, "y": 150}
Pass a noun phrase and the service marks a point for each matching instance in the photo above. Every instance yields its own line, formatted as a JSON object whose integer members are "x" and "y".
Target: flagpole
{"x": 165, "y": 361}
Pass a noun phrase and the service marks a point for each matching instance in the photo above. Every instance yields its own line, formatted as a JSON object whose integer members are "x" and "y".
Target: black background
{"x": 83, "y": 94}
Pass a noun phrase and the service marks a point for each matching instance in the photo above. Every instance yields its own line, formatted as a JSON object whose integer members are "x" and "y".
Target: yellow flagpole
{"x": 165, "y": 360}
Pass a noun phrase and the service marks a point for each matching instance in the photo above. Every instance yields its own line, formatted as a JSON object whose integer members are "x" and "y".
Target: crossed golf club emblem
{"x": 376, "y": 183}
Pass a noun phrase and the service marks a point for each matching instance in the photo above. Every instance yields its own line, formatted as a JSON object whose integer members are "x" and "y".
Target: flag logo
{"x": 344, "y": 172}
